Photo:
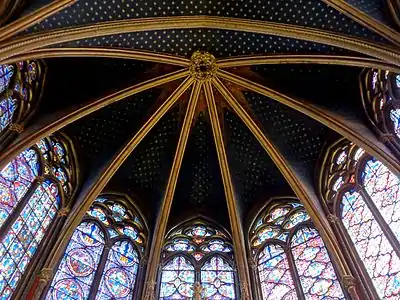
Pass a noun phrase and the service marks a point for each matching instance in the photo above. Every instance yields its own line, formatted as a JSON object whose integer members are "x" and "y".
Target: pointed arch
{"x": 380, "y": 90}
{"x": 364, "y": 197}
{"x": 32, "y": 192}
{"x": 102, "y": 259}
{"x": 20, "y": 92}
{"x": 197, "y": 251}
{"x": 291, "y": 260}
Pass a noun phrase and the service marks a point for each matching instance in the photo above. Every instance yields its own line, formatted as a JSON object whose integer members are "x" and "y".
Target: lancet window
{"x": 198, "y": 261}
{"x": 102, "y": 259}
{"x": 34, "y": 187}
{"x": 291, "y": 260}
{"x": 20, "y": 86}
{"x": 381, "y": 96}
{"x": 364, "y": 195}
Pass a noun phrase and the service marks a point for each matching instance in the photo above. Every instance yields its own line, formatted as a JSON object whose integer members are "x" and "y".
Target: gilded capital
{"x": 63, "y": 212}
{"x": 333, "y": 219}
{"x": 349, "y": 281}
{"x": 18, "y": 128}
{"x": 45, "y": 275}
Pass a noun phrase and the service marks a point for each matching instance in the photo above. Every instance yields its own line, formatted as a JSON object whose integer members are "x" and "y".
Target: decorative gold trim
{"x": 57, "y": 121}
{"x": 28, "y": 43}
{"x": 306, "y": 59}
{"x": 236, "y": 225}
{"x": 311, "y": 203}
{"x": 101, "y": 52}
{"x": 18, "y": 128}
{"x": 94, "y": 187}
{"x": 356, "y": 132}
{"x": 365, "y": 20}
{"x": 162, "y": 218}
{"x": 45, "y": 275}
{"x": 33, "y": 18}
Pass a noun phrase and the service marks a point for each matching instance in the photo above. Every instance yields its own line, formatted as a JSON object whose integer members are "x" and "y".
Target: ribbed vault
{"x": 206, "y": 109}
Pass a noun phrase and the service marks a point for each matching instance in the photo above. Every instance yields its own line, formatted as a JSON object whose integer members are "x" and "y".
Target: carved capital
{"x": 349, "y": 281}
{"x": 386, "y": 137}
{"x": 333, "y": 219}
{"x": 45, "y": 275}
{"x": 63, "y": 212}
{"x": 18, "y": 128}
{"x": 144, "y": 261}
{"x": 252, "y": 263}
{"x": 40, "y": 179}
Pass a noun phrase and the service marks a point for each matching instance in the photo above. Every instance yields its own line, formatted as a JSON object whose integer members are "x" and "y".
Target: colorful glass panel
{"x": 15, "y": 180}
{"x": 274, "y": 274}
{"x": 217, "y": 279}
{"x": 384, "y": 189}
{"x": 119, "y": 275}
{"x": 314, "y": 267}
{"x": 23, "y": 238}
{"x": 372, "y": 246}
{"x": 395, "y": 118}
{"x": 398, "y": 81}
{"x": 6, "y": 72}
{"x": 177, "y": 279}
{"x": 76, "y": 272}
{"x": 8, "y": 106}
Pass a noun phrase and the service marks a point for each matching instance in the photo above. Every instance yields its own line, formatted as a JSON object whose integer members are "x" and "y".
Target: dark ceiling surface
{"x": 373, "y": 8}
{"x": 221, "y": 43}
{"x": 310, "y": 13}
{"x": 144, "y": 175}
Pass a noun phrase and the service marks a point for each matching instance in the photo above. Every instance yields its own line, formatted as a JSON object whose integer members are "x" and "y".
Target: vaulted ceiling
{"x": 93, "y": 48}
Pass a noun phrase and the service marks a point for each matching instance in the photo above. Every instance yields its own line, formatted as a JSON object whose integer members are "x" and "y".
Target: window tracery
{"x": 364, "y": 195}
{"x": 20, "y": 86}
{"x": 30, "y": 197}
{"x": 292, "y": 261}
{"x": 197, "y": 252}
{"x": 103, "y": 255}
{"x": 381, "y": 96}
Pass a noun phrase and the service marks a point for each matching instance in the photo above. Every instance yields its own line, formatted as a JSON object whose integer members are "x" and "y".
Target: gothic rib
{"x": 95, "y": 187}
{"x": 101, "y": 52}
{"x": 33, "y": 18}
{"x": 365, "y": 20}
{"x": 28, "y": 43}
{"x": 162, "y": 218}
{"x": 307, "y": 197}
{"x": 354, "y": 131}
{"x": 57, "y": 121}
{"x": 355, "y": 61}
{"x": 236, "y": 225}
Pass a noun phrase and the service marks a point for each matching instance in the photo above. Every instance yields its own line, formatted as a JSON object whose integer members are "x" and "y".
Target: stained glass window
{"x": 282, "y": 233}
{"x": 108, "y": 243}
{"x": 217, "y": 278}
{"x": 197, "y": 252}
{"x": 18, "y": 90}
{"x": 381, "y": 96}
{"x": 177, "y": 280}
{"x": 368, "y": 200}
{"x": 24, "y": 183}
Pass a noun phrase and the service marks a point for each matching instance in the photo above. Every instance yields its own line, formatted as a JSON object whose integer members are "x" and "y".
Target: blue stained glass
{"x": 217, "y": 279}
{"x": 398, "y": 81}
{"x": 75, "y": 274}
{"x": 177, "y": 279}
{"x": 25, "y": 235}
{"x": 15, "y": 180}
{"x": 8, "y": 105}
{"x": 6, "y": 72}
{"x": 395, "y": 117}
{"x": 274, "y": 273}
{"x": 119, "y": 275}
{"x": 317, "y": 276}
